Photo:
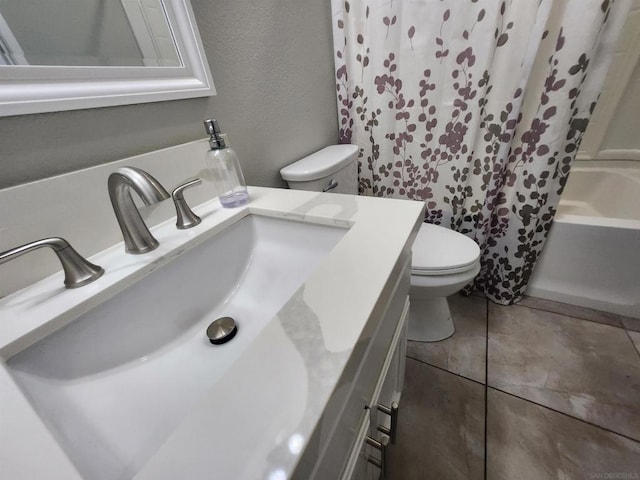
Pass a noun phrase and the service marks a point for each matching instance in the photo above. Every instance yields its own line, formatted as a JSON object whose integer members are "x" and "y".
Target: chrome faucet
{"x": 137, "y": 237}
{"x": 78, "y": 271}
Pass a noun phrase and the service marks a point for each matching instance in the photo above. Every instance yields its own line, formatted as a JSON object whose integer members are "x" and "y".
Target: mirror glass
{"x": 74, "y": 54}
{"x": 86, "y": 33}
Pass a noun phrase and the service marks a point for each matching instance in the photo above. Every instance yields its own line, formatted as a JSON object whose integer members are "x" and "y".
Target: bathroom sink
{"x": 115, "y": 383}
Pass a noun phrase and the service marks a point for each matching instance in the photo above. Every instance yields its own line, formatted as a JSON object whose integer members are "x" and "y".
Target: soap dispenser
{"x": 225, "y": 165}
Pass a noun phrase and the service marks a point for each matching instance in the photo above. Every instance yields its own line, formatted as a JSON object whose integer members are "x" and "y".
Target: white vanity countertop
{"x": 228, "y": 435}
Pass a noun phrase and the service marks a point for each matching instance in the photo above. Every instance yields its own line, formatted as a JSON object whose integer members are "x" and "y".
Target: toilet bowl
{"x": 443, "y": 262}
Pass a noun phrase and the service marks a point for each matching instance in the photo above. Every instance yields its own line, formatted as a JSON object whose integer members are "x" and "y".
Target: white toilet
{"x": 443, "y": 261}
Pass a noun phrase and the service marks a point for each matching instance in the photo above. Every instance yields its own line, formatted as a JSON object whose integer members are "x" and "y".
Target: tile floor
{"x": 539, "y": 390}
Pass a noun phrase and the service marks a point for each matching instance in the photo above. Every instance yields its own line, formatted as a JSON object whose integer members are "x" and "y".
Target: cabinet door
{"x": 386, "y": 398}
{"x": 357, "y": 466}
{"x": 391, "y": 381}
{"x": 360, "y": 466}
{"x": 364, "y": 470}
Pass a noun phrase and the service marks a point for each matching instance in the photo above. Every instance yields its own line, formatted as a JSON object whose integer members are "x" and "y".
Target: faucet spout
{"x": 137, "y": 237}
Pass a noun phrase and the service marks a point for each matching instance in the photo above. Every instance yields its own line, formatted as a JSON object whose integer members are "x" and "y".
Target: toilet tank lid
{"x": 320, "y": 164}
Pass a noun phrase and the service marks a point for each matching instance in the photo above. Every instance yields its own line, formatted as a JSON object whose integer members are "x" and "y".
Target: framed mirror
{"x": 98, "y": 53}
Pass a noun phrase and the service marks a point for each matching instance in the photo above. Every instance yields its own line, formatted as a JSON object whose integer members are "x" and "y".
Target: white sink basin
{"x": 115, "y": 383}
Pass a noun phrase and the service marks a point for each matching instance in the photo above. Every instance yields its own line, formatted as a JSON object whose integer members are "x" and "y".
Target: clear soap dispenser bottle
{"x": 225, "y": 165}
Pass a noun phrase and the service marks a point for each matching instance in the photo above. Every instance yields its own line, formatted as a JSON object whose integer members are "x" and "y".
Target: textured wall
{"x": 622, "y": 131}
{"x": 272, "y": 65}
{"x": 612, "y": 133}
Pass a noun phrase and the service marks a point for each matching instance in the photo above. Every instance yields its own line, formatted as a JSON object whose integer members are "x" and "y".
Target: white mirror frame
{"x": 37, "y": 89}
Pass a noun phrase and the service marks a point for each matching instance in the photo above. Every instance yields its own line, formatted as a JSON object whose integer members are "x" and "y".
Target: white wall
{"x": 613, "y": 129}
{"x": 623, "y": 130}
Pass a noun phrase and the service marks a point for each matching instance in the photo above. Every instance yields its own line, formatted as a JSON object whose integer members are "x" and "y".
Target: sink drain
{"x": 222, "y": 330}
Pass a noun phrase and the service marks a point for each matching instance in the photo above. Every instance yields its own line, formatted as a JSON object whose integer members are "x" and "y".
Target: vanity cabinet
{"x": 369, "y": 461}
{"x": 345, "y": 442}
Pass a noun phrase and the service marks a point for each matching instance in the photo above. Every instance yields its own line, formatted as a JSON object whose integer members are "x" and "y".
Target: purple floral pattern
{"x": 474, "y": 107}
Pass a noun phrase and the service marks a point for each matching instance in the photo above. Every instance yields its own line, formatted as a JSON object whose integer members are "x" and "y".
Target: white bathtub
{"x": 592, "y": 255}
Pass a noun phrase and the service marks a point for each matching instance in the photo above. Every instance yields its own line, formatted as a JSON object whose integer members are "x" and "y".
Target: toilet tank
{"x": 332, "y": 169}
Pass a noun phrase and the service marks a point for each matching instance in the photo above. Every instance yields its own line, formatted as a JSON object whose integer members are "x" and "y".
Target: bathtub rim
{"x": 610, "y": 222}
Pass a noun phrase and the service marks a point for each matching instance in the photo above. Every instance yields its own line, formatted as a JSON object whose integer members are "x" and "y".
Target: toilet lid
{"x": 440, "y": 251}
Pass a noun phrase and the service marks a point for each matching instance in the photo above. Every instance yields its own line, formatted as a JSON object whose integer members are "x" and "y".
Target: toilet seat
{"x": 440, "y": 251}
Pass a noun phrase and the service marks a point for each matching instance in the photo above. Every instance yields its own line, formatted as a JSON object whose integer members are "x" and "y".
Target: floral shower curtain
{"x": 477, "y": 108}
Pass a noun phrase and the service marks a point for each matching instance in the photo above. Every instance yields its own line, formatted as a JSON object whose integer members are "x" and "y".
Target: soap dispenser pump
{"x": 225, "y": 165}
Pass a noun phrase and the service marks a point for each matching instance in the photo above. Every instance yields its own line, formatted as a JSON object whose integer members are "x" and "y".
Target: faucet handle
{"x": 185, "y": 218}
{"x": 78, "y": 271}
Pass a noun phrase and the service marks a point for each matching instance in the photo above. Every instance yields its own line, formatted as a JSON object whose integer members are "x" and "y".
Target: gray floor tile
{"x": 584, "y": 369}
{"x": 573, "y": 311}
{"x": 529, "y": 442}
{"x": 464, "y": 353}
{"x": 441, "y": 427}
